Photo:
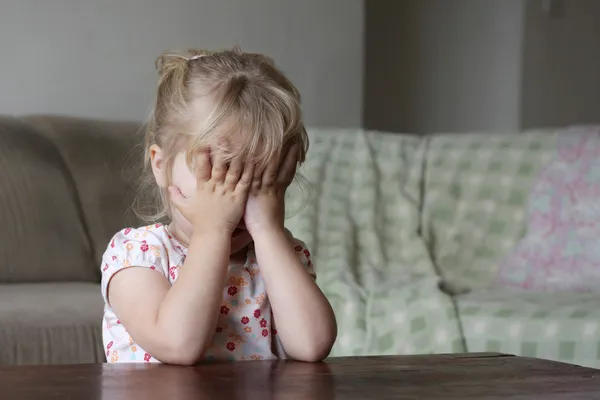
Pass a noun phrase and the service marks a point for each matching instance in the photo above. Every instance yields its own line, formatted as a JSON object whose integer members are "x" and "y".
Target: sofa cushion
{"x": 101, "y": 159}
{"x": 360, "y": 217}
{"x": 475, "y": 193}
{"x": 50, "y": 323}
{"x": 557, "y": 326}
{"x": 43, "y": 237}
{"x": 560, "y": 250}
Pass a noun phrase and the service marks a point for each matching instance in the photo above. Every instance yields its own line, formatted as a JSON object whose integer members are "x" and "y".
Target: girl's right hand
{"x": 220, "y": 197}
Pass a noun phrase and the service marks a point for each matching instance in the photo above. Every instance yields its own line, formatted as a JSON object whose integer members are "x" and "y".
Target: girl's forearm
{"x": 304, "y": 318}
{"x": 189, "y": 311}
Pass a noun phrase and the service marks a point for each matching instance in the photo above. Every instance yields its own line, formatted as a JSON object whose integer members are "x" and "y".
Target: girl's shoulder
{"x": 156, "y": 235}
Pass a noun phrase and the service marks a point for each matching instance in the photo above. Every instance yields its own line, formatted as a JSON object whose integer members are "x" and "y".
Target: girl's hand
{"x": 220, "y": 197}
{"x": 265, "y": 208}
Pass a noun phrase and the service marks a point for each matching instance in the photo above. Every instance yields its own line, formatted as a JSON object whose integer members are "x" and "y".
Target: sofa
{"x": 423, "y": 244}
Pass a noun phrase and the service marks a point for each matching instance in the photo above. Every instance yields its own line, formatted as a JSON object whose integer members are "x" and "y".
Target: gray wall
{"x": 95, "y": 57}
{"x": 481, "y": 65}
{"x": 439, "y": 65}
{"x": 561, "y": 64}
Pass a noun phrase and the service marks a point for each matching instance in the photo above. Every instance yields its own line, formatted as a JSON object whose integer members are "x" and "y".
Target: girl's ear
{"x": 158, "y": 165}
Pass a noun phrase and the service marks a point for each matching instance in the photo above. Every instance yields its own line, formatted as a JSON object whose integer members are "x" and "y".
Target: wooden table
{"x": 490, "y": 376}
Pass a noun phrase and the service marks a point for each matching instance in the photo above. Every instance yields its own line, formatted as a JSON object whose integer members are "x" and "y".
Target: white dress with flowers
{"x": 245, "y": 329}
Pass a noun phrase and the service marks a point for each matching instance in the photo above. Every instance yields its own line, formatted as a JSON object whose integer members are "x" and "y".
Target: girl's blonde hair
{"x": 248, "y": 95}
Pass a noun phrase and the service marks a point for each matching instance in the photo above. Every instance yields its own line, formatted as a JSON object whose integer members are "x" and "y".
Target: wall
{"x": 561, "y": 64}
{"x": 481, "y": 65}
{"x": 95, "y": 58}
{"x": 439, "y": 65}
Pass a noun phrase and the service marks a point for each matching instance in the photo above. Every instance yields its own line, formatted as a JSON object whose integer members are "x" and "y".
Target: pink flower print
{"x": 245, "y": 320}
{"x": 256, "y": 313}
{"x": 172, "y": 272}
{"x": 273, "y": 331}
{"x": 118, "y": 322}
{"x": 265, "y": 332}
{"x": 232, "y": 291}
{"x": 298, "y": 248}
{"x": 144, "y": 247}
{"x": 307, "y": 253}
{"x": 230, "y": 346}
{"x": 157, "y": 225}
{"x": 152, "y": 267}
{"x": 114, "y": 258}
{"x": 126, "y": 232}
{"x": 263, "y": 323}
{"x": 109, "y": 345}
{"x": 105, "y": 267}
{"x": 236, "y": 338}
{"x": 147, "y": 357}
{"x": 237, "y": 282}
{"x": 224, "y": 310}
{"x": 219, "y": 329}
{"x": 112, "y": 243}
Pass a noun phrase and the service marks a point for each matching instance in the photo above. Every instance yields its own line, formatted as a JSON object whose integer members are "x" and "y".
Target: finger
{"x": 256, "y": 179}
{"x": 247, "y": 178}
{"x": 288, "y": 167}
{"x": 176, "y": 196}
{"x": 234, "y": 172}
{"x": 219, "y": 167}
{"x": 203, "y": 166}
{"x": 269, "y": 176}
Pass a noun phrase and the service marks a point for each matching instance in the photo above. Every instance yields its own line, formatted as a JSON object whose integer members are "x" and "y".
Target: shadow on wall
{"x": 481, "y": 65}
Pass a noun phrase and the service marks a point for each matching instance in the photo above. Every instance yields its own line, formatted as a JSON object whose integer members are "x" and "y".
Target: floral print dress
{"x": 245, "y": 329}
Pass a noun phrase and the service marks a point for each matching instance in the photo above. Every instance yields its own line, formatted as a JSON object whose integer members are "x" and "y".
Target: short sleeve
{"x": 133, "y": 248}
{"x": 304, "y": 256}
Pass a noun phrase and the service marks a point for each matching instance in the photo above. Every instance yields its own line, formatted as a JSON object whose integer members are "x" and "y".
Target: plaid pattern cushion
{"x": 558, "y": 326}
{"x": 360, "y": 218}
{"x": 476, "y": 188}
{"x": 382, "y": 207}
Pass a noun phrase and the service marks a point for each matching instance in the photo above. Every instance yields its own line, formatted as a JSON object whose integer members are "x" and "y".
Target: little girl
{"x": 223, "y": 280}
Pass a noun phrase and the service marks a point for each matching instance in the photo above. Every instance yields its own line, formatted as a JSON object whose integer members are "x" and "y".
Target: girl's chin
{"x": 239, "y": 240}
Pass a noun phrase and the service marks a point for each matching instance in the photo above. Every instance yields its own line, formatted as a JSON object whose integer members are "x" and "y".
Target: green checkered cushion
{"x": 559, "y": 326}
{"x": 414, "y": 318}
{"x": 360, "y": 218}
{"x": 476, "y": 188}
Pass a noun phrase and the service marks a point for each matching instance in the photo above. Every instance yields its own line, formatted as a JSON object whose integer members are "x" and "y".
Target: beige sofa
{"x": 64, "y": 190}
{"x": 390, "y": 219}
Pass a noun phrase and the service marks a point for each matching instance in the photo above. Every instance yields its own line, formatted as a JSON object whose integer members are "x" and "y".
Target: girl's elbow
{"x": 313, "y": 357}
{"x": 183, "y": 359}
{"x": 182, "y": 354}
{"x": 318, "y": 350}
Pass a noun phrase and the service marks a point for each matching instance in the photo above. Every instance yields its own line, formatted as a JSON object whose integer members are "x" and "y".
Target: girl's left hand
{"x": 265, "y": 207}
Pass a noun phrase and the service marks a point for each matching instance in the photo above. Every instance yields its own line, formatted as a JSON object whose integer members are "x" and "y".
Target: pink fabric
{"x": 561, "y": 249}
